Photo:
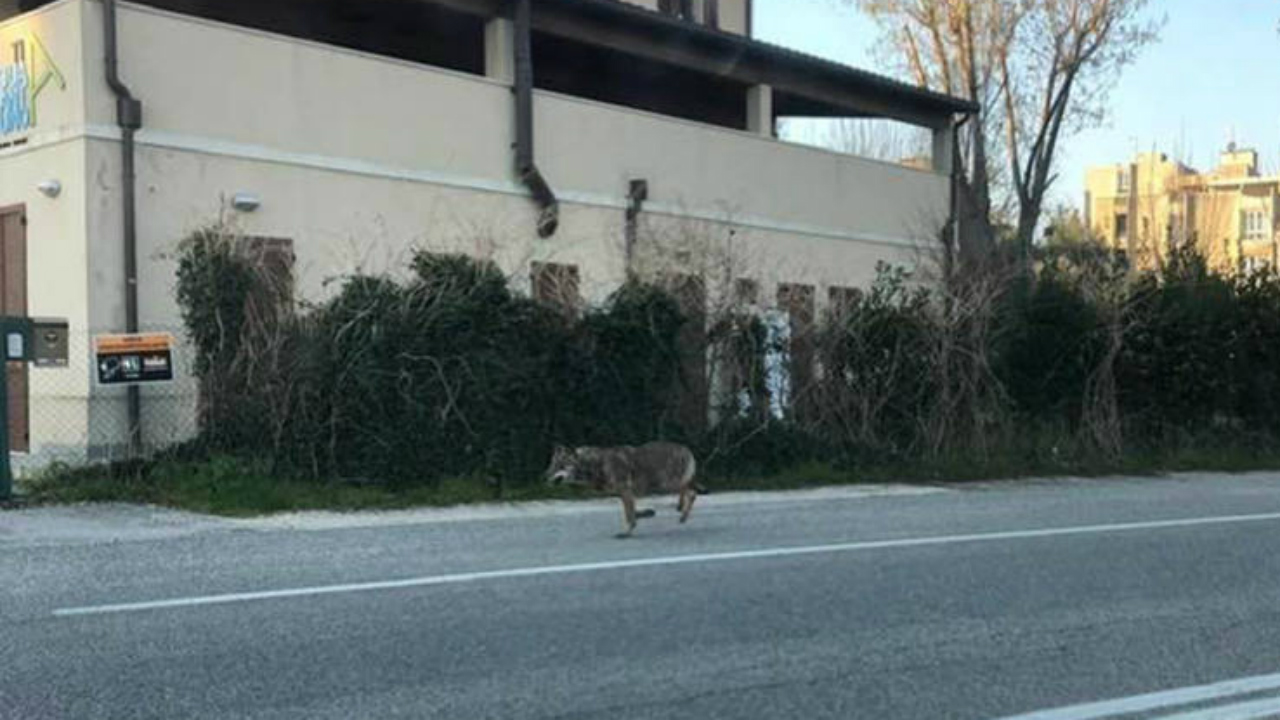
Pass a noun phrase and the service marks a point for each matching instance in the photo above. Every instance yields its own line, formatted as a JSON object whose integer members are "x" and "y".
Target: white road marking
{"x": 459, "y": 578}
{"x": 1168, "y": 699}
{"x": 1252, "y": 710}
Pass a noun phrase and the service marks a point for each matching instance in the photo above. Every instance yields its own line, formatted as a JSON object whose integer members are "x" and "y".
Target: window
{"x": 746, "y": 293}
{"x": 1255, "y": 225}
{"x": 681, "y": 8}
{"x": 1123, "y": 182}
{"x": 840, "y": 300}
{"x": 796, "y": 301}
{"x": 690, "y": 292}
{"x": 1122, "y": 227}
{"x": 272, "y": 259}
{"x": 20, "y": 52}
{"x": 711, "y": 13}
{"x": 1254, "y": 264}
{"x": 557, "y": 285}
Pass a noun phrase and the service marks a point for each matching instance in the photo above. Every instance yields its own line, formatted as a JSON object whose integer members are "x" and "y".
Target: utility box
{"x": 49, "y": 340}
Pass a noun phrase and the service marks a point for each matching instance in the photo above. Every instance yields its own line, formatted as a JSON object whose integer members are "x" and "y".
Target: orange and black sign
{"x": 132, "y": 359}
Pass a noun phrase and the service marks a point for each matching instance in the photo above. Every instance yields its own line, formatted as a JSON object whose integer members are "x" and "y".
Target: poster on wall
{"x": 133, "y": 359}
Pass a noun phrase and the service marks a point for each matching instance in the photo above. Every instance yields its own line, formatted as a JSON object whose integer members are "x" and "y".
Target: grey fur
{"x": 631, "y": 472}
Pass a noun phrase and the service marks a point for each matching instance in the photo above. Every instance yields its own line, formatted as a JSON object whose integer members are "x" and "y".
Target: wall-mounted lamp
{"x": 50, "y": 188}
{"x": 246, "y": 202}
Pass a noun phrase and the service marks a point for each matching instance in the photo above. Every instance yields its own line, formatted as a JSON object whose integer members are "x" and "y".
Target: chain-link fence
{"x": 63, "y": 414}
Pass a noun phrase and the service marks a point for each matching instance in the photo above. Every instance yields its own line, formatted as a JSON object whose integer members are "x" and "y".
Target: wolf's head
{"x": 564, "y": 467}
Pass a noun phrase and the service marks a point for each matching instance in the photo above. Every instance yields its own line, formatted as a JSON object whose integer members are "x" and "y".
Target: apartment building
{"x": 561, "y": 138}
{"x": 1153, "y": 205}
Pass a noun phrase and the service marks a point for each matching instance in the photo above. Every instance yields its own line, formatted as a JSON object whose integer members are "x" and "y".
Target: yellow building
{"x": 1153, "y": 205}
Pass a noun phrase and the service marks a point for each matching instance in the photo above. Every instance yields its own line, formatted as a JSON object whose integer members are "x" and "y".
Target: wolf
{"x": 630, "y": 472}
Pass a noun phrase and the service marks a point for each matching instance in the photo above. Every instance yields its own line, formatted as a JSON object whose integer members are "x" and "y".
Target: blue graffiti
{"x": 15, "y": 99}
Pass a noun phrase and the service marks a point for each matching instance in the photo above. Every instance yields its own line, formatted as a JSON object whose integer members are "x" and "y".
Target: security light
{"x": 246, "y": 202}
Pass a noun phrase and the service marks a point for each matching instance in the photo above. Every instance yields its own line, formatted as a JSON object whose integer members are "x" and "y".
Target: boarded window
{"x": 746, "y": 293}
{"x": 273, "y": 260}
{"x": 797, "y": 301}
{"x": 557, "y": 285}
{"x": 690, "y": 292}
{"x": 840, "y": 300}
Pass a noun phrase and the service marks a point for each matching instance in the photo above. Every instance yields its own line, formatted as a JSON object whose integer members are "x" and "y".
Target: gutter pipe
{"x": 543, "y": 195}
{"x": 129, "y": 118}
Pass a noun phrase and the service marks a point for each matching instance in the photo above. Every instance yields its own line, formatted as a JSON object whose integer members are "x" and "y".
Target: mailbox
{"x": 49, "y": 339}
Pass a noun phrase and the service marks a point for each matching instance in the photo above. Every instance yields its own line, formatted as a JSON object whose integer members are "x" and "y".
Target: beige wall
{"x": 434, "y": 162}
{"x": 57, "y": 283}
{"x": 313, "y": 101}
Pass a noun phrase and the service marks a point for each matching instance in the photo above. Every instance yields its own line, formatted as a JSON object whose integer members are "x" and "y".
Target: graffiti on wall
{"x": 22, "y": 82}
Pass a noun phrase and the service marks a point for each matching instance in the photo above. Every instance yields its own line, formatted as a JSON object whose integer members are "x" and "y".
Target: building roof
{"x": 803, "y": 84}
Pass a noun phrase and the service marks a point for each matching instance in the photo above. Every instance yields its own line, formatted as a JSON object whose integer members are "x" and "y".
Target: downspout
{"x": 637, "y": 194}
{"x": 549, "y": 216}
{"x": 957, "y": 170}
{"x": 129, "y": 118}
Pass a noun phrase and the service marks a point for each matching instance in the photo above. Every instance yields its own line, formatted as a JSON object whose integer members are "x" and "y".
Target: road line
{"x": 1253, "y": 710}
{"x": 1168, "y": 699}
{"x": 764, "y": 553}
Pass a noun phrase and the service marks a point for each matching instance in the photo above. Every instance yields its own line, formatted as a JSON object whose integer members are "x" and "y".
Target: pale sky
{"x": 1214, "y": 75}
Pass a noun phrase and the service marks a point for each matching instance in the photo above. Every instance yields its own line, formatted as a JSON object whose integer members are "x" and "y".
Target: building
{"x": 1153, "y": 205}
{"x": 566, "y": 139}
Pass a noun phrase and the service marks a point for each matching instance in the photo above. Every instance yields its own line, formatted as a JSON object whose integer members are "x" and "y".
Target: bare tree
{"x": 951, "y": 47}
{"x": 1055, "y": 76}
{"x": 1040, "y": 69}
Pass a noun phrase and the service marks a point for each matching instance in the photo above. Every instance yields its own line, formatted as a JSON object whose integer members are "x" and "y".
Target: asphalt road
{"x": 1159, "y": 597}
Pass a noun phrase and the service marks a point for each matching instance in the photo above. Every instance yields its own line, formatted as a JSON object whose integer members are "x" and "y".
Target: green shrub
{"x": 450, "y": 374}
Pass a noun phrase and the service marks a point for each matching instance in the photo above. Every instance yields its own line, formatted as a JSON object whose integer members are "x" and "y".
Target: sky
{"x": 1213, "y": 76}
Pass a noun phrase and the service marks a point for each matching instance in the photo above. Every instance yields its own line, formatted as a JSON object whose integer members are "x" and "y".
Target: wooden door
{"x": 13, "y": 301}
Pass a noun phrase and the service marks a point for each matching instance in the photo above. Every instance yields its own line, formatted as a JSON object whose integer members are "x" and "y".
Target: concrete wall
{"x": 407, "y": 145}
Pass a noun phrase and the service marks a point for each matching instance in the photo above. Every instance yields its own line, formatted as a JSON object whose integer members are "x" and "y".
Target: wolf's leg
{"x": 688, "y": 491}
{"x": 690, "y": 494}
{"x": 628, "y": 514}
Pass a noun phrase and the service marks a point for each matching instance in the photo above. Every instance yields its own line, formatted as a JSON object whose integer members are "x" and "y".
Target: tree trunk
{"x": 1028, "y": 218}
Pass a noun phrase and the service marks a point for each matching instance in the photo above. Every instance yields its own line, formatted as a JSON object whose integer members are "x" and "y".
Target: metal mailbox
{"x": 49, "y": 340}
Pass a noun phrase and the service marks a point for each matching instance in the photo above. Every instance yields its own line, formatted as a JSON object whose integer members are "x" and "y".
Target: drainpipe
{"x": 129, "y": 118}
{"x": 549, "y": 217}
{"x": 637, "y": 193}
{"x": 957, "y": 171}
